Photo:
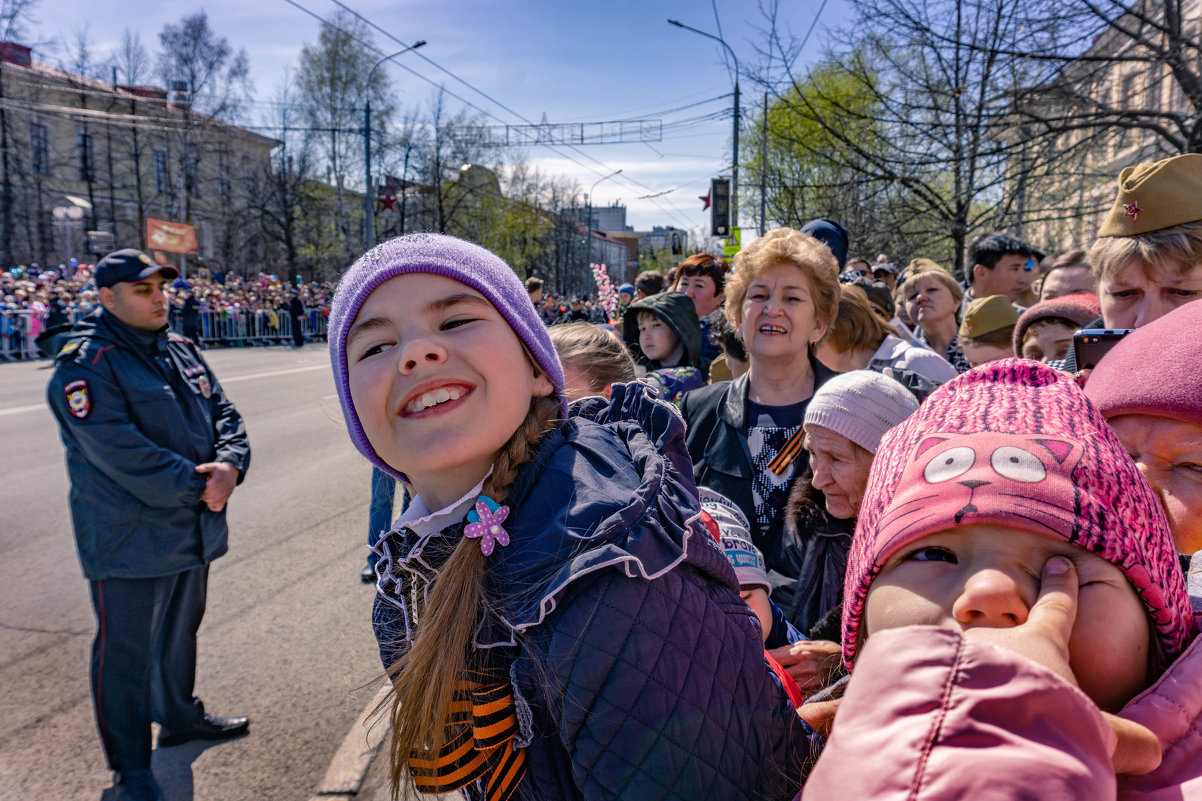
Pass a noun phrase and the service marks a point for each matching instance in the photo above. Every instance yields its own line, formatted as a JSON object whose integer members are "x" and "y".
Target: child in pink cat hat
{"x": 1015, "y": 618}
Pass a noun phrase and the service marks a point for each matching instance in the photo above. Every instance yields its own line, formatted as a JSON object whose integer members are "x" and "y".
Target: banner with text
{"x": 172, "y": 237}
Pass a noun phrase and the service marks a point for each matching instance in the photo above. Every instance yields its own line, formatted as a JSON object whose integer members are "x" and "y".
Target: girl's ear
{"x": 543, "y": 388}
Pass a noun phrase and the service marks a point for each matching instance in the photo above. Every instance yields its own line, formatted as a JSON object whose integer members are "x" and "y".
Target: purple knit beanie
{"x": 442, "y": 255}
{"x": 1016, "y": 443}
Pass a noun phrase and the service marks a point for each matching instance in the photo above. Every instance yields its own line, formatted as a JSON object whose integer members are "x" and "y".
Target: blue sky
{"x": 572, "y": 61}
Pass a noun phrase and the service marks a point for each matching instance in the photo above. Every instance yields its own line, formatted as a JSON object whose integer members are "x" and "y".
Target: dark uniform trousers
{"x": 144, "y": 660}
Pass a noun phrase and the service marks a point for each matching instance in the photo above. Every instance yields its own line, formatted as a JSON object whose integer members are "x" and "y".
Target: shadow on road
{"x": 173, "y": 768}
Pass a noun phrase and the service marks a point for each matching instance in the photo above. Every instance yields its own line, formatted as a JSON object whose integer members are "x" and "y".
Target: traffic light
{"x": 720, "y": 207}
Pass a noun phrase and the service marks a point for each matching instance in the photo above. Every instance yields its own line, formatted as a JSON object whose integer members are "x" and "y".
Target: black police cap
{"x": 129, "y": 264}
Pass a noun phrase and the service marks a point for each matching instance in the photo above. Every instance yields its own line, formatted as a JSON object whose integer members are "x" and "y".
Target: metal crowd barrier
{"x": 215, "y": 328}
{"x": 18, "y": 328}
{"x": 227, "y": 327}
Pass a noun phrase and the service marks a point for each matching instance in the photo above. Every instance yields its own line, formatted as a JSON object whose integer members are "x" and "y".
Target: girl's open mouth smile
{"x": 426, "y": 402}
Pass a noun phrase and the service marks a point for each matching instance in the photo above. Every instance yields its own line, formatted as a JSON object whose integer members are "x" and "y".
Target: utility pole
{"x": 764, "y": 167}
{"x": 588, "y": 223}
{"x": 734, "y": 167}
{"x": 369, "y": 207}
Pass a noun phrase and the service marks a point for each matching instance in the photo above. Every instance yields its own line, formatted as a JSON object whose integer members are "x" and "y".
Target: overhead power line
{"x": 605, "y": 168}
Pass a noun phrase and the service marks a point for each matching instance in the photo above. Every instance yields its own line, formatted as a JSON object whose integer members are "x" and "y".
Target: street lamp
{"x": 734, "y": 168}
{"x": 369, "y": 209}
{"x": 588, "y": 223}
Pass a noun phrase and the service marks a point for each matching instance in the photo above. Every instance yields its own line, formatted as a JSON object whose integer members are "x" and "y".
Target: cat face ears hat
{"x": 1015, "y": 443}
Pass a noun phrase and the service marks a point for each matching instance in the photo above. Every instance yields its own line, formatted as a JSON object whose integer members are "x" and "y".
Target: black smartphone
{"x": 1091, "y": 344}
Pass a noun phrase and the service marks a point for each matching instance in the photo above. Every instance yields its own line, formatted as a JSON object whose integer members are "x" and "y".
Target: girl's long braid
{"x": 424, "y": 678}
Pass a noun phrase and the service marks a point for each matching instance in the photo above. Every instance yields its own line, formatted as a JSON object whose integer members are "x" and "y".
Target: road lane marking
{"x": 19, "y": 409}
{"x": 273, "y": 373}
{"x": 35, "y": 406}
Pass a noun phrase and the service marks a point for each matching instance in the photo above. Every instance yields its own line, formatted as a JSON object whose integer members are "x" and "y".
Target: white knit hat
{"x": 861, "y": 405}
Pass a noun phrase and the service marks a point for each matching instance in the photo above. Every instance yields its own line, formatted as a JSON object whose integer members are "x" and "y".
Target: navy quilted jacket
{"x": 638, "y": 670}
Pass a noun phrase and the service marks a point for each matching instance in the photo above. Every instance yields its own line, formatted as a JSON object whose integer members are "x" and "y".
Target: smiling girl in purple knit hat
{"x": 554, "y": 618}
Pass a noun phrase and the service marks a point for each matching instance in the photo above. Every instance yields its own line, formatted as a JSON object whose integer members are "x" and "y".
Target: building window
{"x": 87, "y": 156}
{"x": 191, "y": 185}
{"x": 1130, "y": 98}
{"x": 223, "y": 174}
{"x": 39, "y": 144}
{"x": 160, "y": 171}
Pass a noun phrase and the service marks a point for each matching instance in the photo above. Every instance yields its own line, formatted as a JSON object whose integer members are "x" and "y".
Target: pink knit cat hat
{"x": 1015, "y": 443}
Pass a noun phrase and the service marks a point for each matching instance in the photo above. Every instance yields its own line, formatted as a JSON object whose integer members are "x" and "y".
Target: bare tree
{"x": 943, "y": 137}
{"x": 131, "y": 63}
{"x": 447, "y": 156}
{"x": 400, "y": 150}
{"x": 15, "y": 17}
{"x": 204, "y": 78}
{"x": 282, "y": 192}
{"x": 332, "y": 79}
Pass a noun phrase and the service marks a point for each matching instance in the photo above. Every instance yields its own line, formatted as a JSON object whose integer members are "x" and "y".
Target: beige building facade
{"x": 80, "y": 155}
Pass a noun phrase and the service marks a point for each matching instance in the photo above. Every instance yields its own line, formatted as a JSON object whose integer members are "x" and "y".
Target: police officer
{"x": 154, "y": 450}
{"x": 296, "y": 310}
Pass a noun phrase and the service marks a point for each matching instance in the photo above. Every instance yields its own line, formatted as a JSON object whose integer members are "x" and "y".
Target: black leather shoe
{"x": 209, "y": 727}
{"x": 368, "y": 574}
{"x": 137, "y": 785}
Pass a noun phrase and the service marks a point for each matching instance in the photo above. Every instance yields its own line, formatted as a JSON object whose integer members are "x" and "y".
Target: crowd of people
{"x": 34, "y": 300}
{"x": 803, "y": 525}
{"x": 942, "y": 532}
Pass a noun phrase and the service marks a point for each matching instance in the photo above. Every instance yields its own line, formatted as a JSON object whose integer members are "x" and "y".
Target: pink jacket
{"x": 932, "y": 715}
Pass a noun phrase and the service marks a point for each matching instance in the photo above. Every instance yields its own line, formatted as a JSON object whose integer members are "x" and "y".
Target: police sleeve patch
{"x": 79, "y": 399}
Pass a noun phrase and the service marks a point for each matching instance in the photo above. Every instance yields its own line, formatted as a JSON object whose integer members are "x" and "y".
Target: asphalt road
{"x": 286, "y": 638}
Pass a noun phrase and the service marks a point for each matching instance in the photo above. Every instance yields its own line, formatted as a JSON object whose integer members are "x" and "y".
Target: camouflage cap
{"x": 986, "y": 315}
{"x": 1156, "y": 195}
{"x": 922, "y": 264}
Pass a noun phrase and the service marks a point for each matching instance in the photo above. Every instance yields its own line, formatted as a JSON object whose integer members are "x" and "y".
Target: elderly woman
{"x": 744, "y": 436}
{"x": 844, "y": 424}
{"x": 859, "y": 338}
{"x": 1149, "y": 389}
{"x": 932, "y": 299}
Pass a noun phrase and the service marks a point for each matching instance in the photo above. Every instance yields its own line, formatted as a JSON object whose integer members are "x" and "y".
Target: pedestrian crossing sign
{"x": 733, "y": 242}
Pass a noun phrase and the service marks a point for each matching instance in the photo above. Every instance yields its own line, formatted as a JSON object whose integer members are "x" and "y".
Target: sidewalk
{"x": 359, "y": 770}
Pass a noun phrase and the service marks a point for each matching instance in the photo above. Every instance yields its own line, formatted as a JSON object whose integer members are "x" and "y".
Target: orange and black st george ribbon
{"x": 479, "y": 744}
{"x": 788, "y": 453}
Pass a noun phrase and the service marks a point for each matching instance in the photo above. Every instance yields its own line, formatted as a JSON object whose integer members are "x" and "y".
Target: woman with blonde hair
{"x": 933, "y": 300}
{"x": 858, "y": 339}
{"x": 745, "y": 435}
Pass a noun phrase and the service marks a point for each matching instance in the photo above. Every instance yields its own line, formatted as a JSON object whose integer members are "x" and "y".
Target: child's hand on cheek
{"x": 1043, "y": 637}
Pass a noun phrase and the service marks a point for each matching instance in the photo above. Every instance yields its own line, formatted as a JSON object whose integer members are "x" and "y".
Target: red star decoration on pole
{"x": 1132, "y": 209}
{"x": 705, "y": 199}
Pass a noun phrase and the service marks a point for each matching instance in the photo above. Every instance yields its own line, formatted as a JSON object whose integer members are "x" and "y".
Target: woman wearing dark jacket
{"x": 844, "y": 424}
{"x": 744, "y": 436}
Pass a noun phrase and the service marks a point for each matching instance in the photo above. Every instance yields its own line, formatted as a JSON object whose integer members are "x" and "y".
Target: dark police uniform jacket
{"x": 138, "y": 411}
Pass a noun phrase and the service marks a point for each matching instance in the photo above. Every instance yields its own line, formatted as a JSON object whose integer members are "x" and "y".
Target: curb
{"x": 344, "y": 777}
